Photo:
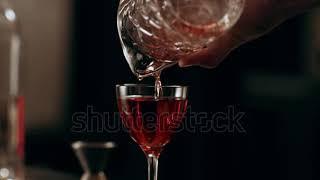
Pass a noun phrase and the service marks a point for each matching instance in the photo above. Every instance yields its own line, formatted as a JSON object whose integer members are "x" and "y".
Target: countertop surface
{"x": 47, "y": 174}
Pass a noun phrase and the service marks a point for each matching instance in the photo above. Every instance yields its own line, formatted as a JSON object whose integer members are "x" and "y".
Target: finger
{"x": 213, "y": 55}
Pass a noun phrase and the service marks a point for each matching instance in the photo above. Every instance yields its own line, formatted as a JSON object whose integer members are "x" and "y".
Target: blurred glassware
{"x": 93, "y": 157}
{"x": 155, "y": 34}
{"x": 11, "y": 100}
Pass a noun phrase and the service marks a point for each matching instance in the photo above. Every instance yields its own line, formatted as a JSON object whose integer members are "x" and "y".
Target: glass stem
{"x": 152, "y": 167}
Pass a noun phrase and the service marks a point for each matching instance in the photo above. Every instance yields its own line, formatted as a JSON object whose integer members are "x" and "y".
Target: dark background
{"x": 268, "y": 79}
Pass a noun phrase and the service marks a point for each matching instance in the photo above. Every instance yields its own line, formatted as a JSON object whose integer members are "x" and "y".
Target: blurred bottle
{"x": 11, "y": 101}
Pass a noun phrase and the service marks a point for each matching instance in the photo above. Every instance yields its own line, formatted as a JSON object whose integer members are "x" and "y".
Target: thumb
{"x": 214, "y": 54}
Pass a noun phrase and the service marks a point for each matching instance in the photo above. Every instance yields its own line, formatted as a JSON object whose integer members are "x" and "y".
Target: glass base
{"x": 98, "y": 176}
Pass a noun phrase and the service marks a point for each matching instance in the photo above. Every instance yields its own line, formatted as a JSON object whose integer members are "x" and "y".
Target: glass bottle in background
{"x": 11, "y": 101}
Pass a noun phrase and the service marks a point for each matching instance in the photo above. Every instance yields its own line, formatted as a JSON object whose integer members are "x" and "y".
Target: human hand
{"x": 259, "y": 17}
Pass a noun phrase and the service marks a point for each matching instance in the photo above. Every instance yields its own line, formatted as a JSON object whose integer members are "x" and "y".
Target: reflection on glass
{"x": 11, "y": 99}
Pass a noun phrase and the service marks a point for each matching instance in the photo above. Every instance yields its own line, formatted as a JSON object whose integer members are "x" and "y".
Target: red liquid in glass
{"x": 150, "y": 121}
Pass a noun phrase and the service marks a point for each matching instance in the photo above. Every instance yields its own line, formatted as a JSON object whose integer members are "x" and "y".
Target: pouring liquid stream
{"x": 158, "y": 86}
{"x": 158, "y": 91}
